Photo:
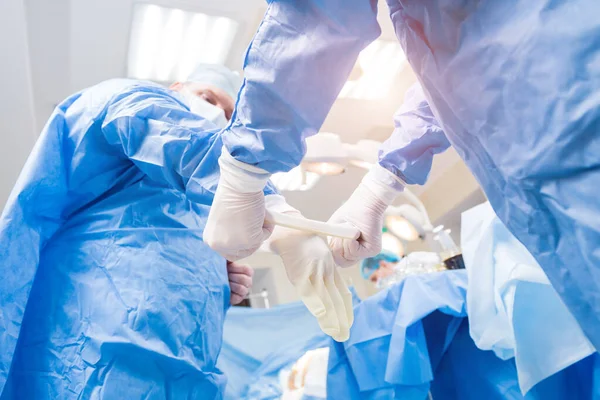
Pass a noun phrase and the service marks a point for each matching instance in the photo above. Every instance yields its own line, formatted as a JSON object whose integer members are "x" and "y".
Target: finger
{"x": 329, "y": 322}
{"x": 238, "y": 289}
{"x": 353, "y": 250}
{"x": 241, "y": 279}
{"x": 328, "y": 326}
{"x": 315, "y": 302}
{"x": 235, "y": 268}
{"x": 236, "y": 299}
{"x": 310, "y": 300}
{"x": 335, "y": 243}
{"x": 346, "y": 296}
{"x": 345, "y": 252}
{"x": 339, "y": 306}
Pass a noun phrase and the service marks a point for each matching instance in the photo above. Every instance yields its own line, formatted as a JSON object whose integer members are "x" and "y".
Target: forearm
{"x": 416, "y": 138}
{"x": 295, "y": 67}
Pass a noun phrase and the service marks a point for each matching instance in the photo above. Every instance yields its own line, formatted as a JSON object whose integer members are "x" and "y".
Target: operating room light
{"x": 392, "y": 244}
{"x": 400, "y": 227}
{"x": 325, "y": 168}
{"x": 325, "y": 154}
{"x": 297, "y": 179}
{"x": 167, "y": 43}
{"x": 379, "y": 63}
{"x": 406, "y": 221}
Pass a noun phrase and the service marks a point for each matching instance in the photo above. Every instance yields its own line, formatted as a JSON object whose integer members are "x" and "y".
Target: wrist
{"x": 384, "y": 184}
{"x": 243, "y": 177}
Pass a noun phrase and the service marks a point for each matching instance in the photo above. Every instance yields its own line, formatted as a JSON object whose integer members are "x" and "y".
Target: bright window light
{"x": 378, "y": 65}
{"x": 167, "y": 43}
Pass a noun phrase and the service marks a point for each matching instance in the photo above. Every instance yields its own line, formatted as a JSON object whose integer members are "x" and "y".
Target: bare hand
{"x": 240, "y": 281}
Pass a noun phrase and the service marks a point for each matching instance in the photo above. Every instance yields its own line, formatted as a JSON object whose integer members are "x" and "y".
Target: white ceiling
{"x": 77, "y": 43}
{"x": 17, "y": 128}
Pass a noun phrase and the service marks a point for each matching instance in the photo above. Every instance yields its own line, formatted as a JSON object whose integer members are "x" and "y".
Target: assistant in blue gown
{"x": 107, "y": 289}
{"x": 514, "y": 85}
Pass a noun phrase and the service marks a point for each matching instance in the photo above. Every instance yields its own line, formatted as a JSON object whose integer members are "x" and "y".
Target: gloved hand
{"x": 236, "y": 224}
{"x": 240, "y": 281}
{"x": 310, "y": 268}
{"x": 365, "y": 211}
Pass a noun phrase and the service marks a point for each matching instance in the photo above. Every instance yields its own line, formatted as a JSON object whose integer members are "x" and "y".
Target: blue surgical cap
{"x": 219, "y": 76}
{"x": 370, "y": 265}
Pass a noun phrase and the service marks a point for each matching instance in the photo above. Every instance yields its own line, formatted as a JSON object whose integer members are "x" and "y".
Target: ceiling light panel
{"x": 167, "y": 43}
{"x": 375, "y": 70}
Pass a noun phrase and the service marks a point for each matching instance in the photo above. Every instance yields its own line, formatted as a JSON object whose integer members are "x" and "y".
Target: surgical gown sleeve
{"x": 294, "y": 69}
{"x": 417, "y": 137}
{"x": 167, "y": 142}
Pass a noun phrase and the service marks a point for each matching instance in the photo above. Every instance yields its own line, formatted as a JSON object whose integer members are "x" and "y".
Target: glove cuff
{"x": 277, "y": 203}
{"x": 383, "y": 183}
{"x": 243, "y": 177}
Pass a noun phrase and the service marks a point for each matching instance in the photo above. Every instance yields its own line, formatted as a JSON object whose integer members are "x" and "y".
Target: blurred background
{"x": 51, "y": 49}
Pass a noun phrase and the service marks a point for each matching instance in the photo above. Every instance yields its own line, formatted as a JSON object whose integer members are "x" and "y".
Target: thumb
{"x": 345, "y": 251}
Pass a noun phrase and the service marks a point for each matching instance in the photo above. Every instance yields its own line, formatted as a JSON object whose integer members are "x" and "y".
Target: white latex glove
{"x": 365, "y": 210}
{"x": 310, "y": 268}
{"x": 236, "y": 224}
{"x": 240, "y": 281}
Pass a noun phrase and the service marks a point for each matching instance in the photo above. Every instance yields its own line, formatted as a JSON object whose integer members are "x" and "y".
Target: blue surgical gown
{"x": 107, "y": 289}
{"x": 416, "y": 138}
{"x": 514, "y": 84}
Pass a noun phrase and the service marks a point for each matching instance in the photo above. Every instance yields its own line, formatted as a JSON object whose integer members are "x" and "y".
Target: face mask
{"x": 204, "y": 109}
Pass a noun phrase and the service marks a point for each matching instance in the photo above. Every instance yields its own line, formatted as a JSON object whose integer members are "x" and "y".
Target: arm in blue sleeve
{"x": 167, "y": 142}
{"x": 294, "y": 69}
{"x": 417, "y": 137}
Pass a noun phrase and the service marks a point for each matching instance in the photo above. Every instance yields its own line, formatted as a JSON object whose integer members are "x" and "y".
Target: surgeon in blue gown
{"x": 512, "y": 85}
{"x": 107, "y": 289}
